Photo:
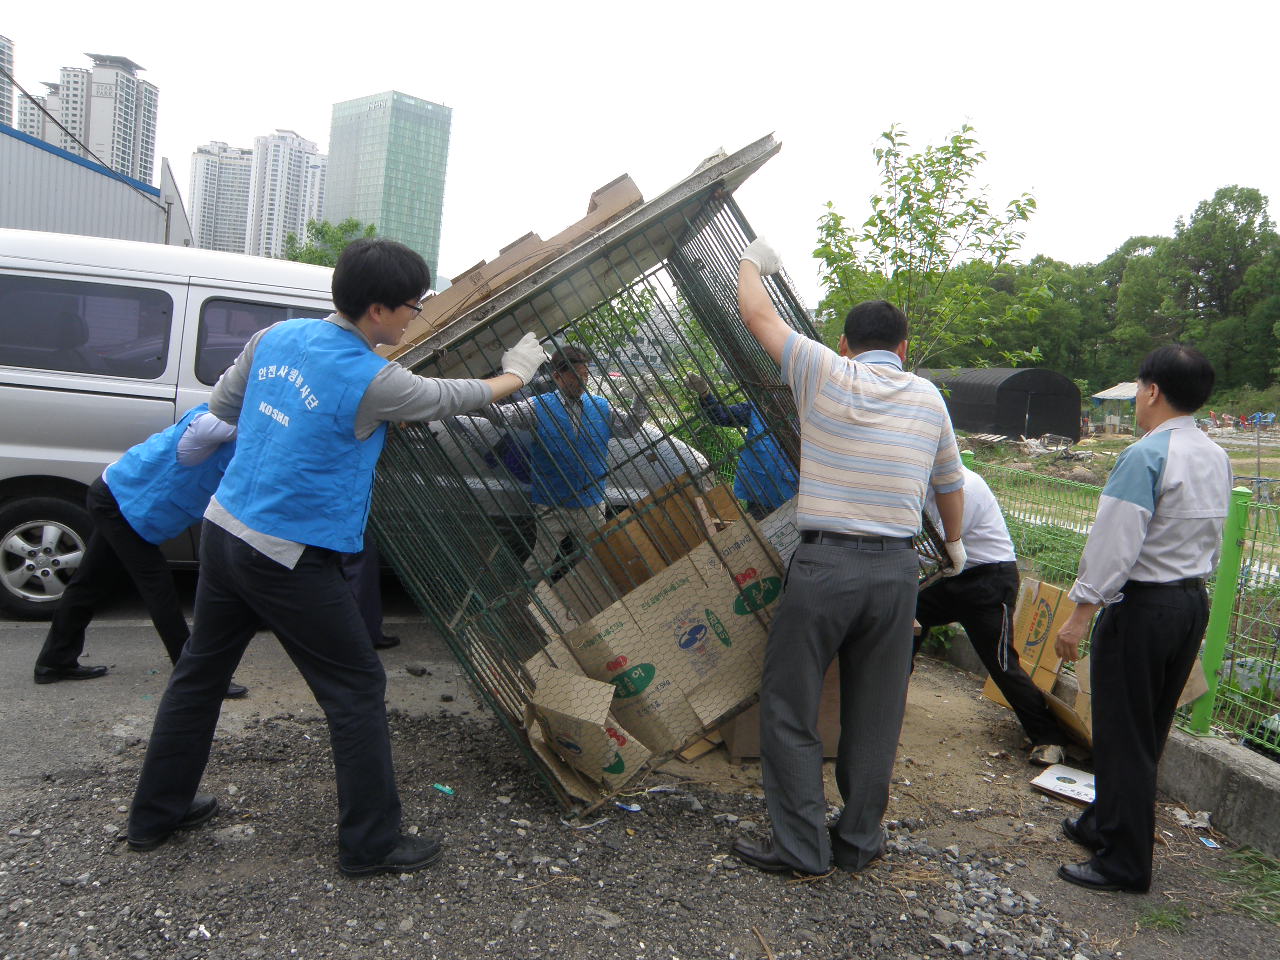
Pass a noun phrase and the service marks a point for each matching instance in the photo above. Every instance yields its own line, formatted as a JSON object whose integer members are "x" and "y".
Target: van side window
{"x": 227, "y": 325}
{"x": 84, "y": 327}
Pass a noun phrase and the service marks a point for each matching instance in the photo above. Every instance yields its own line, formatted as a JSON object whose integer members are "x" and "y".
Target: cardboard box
{"x": 574, "y": 710}
{"x": 1071, "y": 698}
{"x": 672, "y": 516}
{"x": 613, "y": 647}
{"x": 1040, "y": 611}
{"x": 686, "y": 647}
{"x": 742, "y": 733}
{"x": 626, "y": 552}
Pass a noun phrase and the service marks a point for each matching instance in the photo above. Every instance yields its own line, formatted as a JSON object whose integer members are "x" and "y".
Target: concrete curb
{"x": 1239, "y": 788}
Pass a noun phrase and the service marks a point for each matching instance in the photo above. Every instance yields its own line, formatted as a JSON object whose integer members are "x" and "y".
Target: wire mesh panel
{"x": 518, "y": 528}
{"x": 602, "y": 551}
{"x": 1048, "y": 519}
{"x": 1248, "y": 700}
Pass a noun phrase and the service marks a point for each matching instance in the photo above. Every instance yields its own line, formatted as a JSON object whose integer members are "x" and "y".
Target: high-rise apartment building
{"x": 30, "y": 118}
{"x": 6, "y": 85}
{"x": 387, "y": 158}
{"x": 219, "y": 196}
{"x": 315, "y": 177}
{"x": 282, "y": 191}
{"x": 107, "y": 109}
{"x": 122, "y": 116}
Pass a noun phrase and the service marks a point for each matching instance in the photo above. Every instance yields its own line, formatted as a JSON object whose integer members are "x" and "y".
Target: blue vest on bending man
{"x": 764, "y": 475}
{"x": 159, "y": 496}
{"x": 569, "y": 464}
{"x": 308, "y": 377}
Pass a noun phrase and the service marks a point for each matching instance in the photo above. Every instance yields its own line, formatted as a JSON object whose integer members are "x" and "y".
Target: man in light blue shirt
{"x": 1155, "y": 540}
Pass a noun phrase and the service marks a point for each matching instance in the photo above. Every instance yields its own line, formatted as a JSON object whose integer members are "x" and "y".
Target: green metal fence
{"x": 1049, "y": 520}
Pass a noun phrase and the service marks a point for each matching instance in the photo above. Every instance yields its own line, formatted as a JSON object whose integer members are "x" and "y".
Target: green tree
{"x": 1206, "y": 298}
{"x": 325, "y": 241}
{"x": 932, "y": 245}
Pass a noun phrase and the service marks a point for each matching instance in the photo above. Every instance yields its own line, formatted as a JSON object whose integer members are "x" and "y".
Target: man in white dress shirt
{"x": 1155, "y": 539}
{"x": 981, "y": 599}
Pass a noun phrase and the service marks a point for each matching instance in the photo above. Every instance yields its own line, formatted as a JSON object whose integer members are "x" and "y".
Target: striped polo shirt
{"x": 873, "y": 439}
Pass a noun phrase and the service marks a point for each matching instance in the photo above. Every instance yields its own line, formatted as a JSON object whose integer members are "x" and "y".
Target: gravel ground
{"x": 259, "y": 880}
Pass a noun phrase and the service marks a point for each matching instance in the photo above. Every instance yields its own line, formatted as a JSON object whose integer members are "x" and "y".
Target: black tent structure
{"x": 1012, "y": 401}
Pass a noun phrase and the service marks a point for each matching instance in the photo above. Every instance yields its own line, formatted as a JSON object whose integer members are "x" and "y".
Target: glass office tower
{"x": 387, "y": 159}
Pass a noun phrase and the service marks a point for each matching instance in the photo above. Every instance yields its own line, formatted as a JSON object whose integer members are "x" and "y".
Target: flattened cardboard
{"x": 780, "y": 529}
{"x": 1067, "y": 782}
{"x": 1041, "y": 609}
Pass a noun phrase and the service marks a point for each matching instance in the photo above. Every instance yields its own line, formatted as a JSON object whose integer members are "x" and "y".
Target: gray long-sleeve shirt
{"x": 395, "y": 394}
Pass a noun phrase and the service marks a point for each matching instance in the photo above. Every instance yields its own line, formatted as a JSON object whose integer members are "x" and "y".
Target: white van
{"x": 105, "y": 342}
{"x": 102, "y": 343}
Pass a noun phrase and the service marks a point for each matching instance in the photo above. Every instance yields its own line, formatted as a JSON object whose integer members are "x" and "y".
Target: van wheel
{"x": 42, "y": 541}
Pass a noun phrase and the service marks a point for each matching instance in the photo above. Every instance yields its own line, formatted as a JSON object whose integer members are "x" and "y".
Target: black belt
{"x": 1184, "y": 583}
{"x": 857, "y": 541}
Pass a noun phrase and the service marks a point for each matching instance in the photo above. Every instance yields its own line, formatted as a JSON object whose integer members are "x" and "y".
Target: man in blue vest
{"x": 154, "y": 492}
{"x": 764, "y": 479}
{"x": 311, "y": 400}
{"x": 570, "y": 452}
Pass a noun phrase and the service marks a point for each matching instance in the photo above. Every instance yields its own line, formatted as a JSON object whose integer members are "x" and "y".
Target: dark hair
{"x": 875, "y": 325}
{"x": 1183, "y": 375}
{"x": 377, "y": 270}
{"x": 568, "y": 356}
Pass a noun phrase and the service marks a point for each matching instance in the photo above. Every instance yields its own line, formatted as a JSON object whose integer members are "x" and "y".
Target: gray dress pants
{"x": 857, "y": 602}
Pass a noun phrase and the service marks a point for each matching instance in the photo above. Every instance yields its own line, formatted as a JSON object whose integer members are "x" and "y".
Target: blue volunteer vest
{"x": 299, "y": 472}
{"x": 764, "y": 475}
{"x": 568, "y": 468}
{"x": 159, "y": 496}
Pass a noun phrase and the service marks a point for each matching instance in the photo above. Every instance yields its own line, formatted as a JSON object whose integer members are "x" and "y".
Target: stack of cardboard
{"x": 1041, "y": 611}
{"x": 669, "y": 660}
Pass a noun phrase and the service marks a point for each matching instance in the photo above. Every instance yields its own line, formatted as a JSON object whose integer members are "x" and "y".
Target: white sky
{"x": 1118, "y": 116}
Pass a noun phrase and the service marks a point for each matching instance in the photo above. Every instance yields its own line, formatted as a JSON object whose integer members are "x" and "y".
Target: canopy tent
{"x": 1015, "y": 402}
{"x": 1121, "y": 391}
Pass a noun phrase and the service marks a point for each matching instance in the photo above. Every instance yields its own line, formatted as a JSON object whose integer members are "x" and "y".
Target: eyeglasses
{"x": 415, "y": 307}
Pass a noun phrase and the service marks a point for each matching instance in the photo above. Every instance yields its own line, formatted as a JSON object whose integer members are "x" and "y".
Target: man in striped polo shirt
{"x": 873, "y": 439}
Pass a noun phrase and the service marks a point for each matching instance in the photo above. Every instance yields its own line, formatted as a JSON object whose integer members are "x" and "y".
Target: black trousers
{"x": 981, "y": 599}
{"x": 1142, "y": 653}
{"x": 312, "y": 612}
{"x": 363, "y": 574}
{"x": 114, "y": 555}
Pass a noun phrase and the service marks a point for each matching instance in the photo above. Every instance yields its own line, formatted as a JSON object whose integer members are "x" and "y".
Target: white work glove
{"x": 955, "y": 550}
{"x": 524, "y": 359}
{"x": 763, "y": 256}
{"x": 697, "y": 384}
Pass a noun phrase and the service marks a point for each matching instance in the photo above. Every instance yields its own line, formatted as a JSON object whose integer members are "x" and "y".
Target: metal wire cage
{"x": 650, "y": 301}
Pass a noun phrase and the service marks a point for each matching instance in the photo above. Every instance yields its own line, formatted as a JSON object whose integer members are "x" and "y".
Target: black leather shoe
{"x": 54, "y": 674}
{"x": 845, "y": 861}
{"x": 1071, "y": 830}
{"x": 235, "y": 691}
{"x": 386, "y": 642}
{"x": 1087, "y": 876}
{"x": 409, "y": 854}
{"x": 203, "y": 807}
{"x": 761, "y": 855}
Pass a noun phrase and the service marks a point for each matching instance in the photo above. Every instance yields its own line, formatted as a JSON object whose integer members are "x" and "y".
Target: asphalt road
{"x": 64, "y": 726}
